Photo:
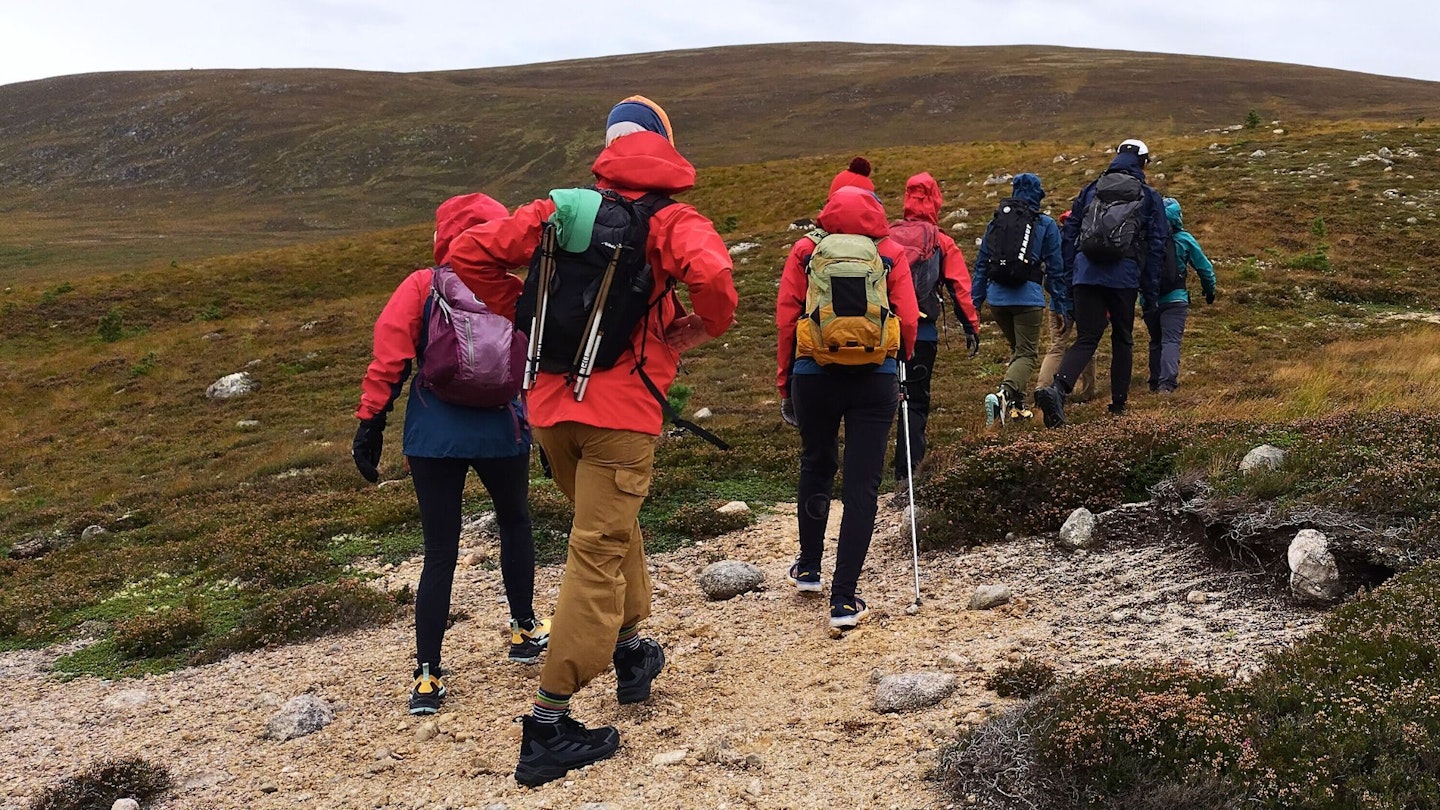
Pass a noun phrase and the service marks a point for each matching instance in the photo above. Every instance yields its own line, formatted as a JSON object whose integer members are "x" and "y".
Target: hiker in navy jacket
{"x": 1105, "y": 291}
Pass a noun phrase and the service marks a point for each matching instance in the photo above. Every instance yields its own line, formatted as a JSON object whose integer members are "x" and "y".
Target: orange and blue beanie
{"x": 637, "y": 114}
{"x": 857, "y": 175}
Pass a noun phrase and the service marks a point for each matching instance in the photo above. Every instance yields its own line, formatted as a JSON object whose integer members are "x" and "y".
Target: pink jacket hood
{"x": 854, "y": 210}
{"x": 644, "y": 161}
{"x": 923, "y": 198}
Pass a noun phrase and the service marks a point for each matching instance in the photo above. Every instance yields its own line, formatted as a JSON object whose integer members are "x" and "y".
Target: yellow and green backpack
{"x": 847, "y": 320}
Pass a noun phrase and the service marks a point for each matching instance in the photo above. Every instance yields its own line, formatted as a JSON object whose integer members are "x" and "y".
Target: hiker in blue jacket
{"x": 1114, "y": 247}
{"x": 1166, "y": 322}
{"x": 1019, "y": 308}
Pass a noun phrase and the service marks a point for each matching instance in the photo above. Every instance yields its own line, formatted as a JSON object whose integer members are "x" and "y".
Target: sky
{"x": 44, "y": 38}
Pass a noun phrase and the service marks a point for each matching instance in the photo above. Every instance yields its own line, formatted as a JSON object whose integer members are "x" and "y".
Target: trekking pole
{"x": 586, "y": 359}
{"x": 537, "y": 318}
{"x": 910, "y": 480}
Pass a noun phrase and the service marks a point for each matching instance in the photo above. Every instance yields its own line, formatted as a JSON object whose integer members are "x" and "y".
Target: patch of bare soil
{"x": 758, "y": 706}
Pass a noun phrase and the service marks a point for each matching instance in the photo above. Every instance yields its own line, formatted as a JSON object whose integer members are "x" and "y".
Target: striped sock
{"x": 549, "y": 708}
{"x": 629, "y": 639}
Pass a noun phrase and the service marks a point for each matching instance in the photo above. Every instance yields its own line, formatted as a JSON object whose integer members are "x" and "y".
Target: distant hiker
{"x": 1061, "y": 333}
{"x": 935, "y": 263}
{"x": 1166, "y": 322}
{"x": 857, "y": 175}
{"x": 1114, "y": 246}
{"x": 1019, "y": 251}
{"x": 598, "y": 425}
{"x": 444, "y": 441}
{"x": 846, "y": 315}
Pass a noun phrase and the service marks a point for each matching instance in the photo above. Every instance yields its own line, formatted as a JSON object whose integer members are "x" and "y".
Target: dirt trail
{"x": 769, "y": 711}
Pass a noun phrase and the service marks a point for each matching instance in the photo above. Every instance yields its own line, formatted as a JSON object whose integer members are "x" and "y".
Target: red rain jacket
{"x": 683, "y": 246}
{"x": 922, "y": 201}
{"x": 849, "y": 210}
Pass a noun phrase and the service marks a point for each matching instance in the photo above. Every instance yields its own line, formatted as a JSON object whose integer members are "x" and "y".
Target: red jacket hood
{"x": 854, "y": 210}
{"x": 458, "y": 214}
{"x": 644, "y": 161}
{"x": 923, "y": 198}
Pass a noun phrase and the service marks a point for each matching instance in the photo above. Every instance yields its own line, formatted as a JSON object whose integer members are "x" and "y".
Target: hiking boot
{"x": 1116, "y": 408}
{"x": 993, "y": 410}
{"x": 427, "y": 691}
{"x": 1052, "y": 403}
{"x": 636, "y": 669}
{"x": 1017, "y": 409}
{"x": 805, "y": 579}
{"x": 848, "y": 614}
{"x": 550, "y": 750}
{"x": 528, "y": 639}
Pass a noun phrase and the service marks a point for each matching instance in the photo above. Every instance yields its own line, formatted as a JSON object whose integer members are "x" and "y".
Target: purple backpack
{"x": 471, "y": 356}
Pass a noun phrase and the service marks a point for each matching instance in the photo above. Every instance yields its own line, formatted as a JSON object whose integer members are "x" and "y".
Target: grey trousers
{"x": 1167, "y": 327}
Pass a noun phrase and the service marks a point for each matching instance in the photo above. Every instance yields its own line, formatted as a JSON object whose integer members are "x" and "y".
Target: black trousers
{"x": 919, "y": 372}
{"x": 865, "y": 403}
{"x": 1095, "y": 307}
{"x": 439, "y": 488}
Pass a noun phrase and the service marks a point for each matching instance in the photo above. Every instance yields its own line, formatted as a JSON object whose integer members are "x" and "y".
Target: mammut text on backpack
{"x": 847, "y": 319}
{"x": 470, "y": 356}
{"x": 581, "y": 308}
{"x": 1112, "y": 229}
{"x": 1010, "y": 241}
{"x": 921, "y": 241}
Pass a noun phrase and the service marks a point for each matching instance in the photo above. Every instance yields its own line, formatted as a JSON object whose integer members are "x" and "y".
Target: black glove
{"x": 1210, "y": 297}
{"x": 787, "y": 412}
{"x": 972, "y": 338}
{"x": 365, "y": 449}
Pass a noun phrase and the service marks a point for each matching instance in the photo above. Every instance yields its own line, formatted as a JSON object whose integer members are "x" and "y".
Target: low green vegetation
{"x": 1347, "y": 718}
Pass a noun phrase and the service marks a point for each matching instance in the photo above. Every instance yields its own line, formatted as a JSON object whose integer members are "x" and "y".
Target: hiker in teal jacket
{"x": 1166, "y": 321}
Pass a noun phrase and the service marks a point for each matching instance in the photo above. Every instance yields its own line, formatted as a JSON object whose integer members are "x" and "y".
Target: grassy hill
{"x": 106, "y": 171}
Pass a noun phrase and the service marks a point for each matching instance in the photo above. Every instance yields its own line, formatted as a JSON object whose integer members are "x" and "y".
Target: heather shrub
{"x": 1032, "y": 482}
{"x": 104, "y": 781}
{"x": 1118, "y": 730}
{"x": 158, "y": 633}
{"x": 1025, "y": 679}
{"x": 701, "y": 521}
{"x": 304, "y": 613}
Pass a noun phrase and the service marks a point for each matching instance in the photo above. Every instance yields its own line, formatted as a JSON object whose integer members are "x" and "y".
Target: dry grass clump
{"x": 102, "y": 782}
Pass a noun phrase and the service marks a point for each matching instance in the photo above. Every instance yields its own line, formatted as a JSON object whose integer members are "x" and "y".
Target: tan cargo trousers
{"x": 606, "y": 475}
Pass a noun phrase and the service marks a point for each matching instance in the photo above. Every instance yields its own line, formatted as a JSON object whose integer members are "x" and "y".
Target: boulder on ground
{"x": 301, "y": 715}
{"x": 990, "y": 596}
{"x": 729, "y": 578}
{"x": 1264, "y": 457}
{"x": 912, "y": 690}
{"x": 1314, "y": 573}
{"x": 1081, "y": 530}
{"x": 232, "y": 385}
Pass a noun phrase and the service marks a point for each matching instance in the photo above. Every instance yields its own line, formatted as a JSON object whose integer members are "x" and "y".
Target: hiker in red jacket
{"x": 935, "y": 263}
{"x": 443, "y": 442}
{"x": 602, "y": 449}
{"x": 817, "y": 398}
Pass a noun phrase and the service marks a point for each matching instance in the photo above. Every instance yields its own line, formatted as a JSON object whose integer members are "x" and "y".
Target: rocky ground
{"x": 759, "y": 707}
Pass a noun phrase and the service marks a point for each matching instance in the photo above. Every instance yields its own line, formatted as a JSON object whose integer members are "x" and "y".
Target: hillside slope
{"x": 106, "y": 168}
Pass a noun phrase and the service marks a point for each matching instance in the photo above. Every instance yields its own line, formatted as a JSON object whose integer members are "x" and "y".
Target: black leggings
{"x": 439, "y": 488}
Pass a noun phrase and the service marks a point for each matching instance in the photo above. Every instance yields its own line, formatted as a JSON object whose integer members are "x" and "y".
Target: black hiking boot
{"x": 1052, "y": 403}
{"x": 427, "y": 692}
{"x": 550, "y": 750}
{"x": 636, "y": 669}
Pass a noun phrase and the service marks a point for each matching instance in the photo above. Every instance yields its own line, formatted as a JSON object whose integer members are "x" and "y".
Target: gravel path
{"x": 758, "y": 706}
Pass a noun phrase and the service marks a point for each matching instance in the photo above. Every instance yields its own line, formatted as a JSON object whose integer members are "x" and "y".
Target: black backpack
{"x": 1013, "y": 230}
{"x": 1112, "y": 228}
{"x": 1172, "y": 272}
{"x": 620, "y": 235}
{"x": 575, "y": 285}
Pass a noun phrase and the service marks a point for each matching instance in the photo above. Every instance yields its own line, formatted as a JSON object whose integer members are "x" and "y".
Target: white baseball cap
{"x": 1139, "y": 147}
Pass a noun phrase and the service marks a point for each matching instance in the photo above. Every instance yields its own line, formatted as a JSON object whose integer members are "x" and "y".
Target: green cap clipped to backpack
{"x": 574, "y": 217}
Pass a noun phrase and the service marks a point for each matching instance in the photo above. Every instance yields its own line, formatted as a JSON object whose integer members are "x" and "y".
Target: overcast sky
{"x": 43, "y": 38}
